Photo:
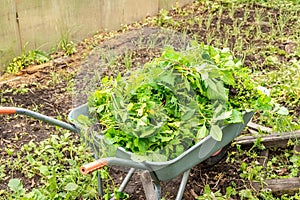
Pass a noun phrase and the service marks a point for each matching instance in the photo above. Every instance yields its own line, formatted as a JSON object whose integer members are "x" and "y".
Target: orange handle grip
{"x": 7, "y": 110}
{"x": 93, "y": 166}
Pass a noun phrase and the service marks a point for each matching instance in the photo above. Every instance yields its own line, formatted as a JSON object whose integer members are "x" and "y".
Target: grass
{"x": 264, "y": 34}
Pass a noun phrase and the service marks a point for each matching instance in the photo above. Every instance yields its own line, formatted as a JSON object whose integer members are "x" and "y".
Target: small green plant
{"x": 128, "y": 60}
{"x": 283, "y": 166}
{"x": 164, "y": 19}
{"x": 252, "y": 171}
{"x": 67, "y": 46}
{"x": 55, "y": 77}
{"x": 111, "y": 190}
{"x": 16, "y": 186}
{"x": 30, "y": 58}
{"x": 247, "y": 194}
{"x": 208, "y": 194}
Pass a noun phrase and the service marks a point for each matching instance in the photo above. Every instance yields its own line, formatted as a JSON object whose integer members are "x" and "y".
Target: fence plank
{"x": 44, "y": 23}
{"x": 168, "y": 4}
{"x": 117, "y": 12}
{"x": 9, "y": 42}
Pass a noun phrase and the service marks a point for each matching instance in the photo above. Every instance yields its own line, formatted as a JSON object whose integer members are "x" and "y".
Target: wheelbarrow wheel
{"x": 216, "y": 157}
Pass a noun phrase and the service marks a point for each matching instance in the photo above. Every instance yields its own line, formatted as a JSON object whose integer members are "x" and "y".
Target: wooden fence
{"x": 41, "y": 24}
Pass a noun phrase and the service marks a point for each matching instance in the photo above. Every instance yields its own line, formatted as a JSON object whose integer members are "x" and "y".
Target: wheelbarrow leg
{"x": 126, "y": 179}
{"x": 157, "y": 188}
{"x": 183, "y": 184}
{"x": 100, "y": 185}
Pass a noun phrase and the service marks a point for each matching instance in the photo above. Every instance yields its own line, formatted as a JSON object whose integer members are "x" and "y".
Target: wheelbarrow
{"x": 159, "y": 171}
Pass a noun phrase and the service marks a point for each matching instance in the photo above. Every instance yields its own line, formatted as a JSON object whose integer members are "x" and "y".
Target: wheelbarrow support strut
{"x": 112, "y": 161}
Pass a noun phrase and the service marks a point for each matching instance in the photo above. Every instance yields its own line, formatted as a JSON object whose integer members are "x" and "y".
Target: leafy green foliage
{"x": 174, "y": 101}
{"x": 56, "y": 162}
{"x": 67, "y": 46}
{"x": 17, "y": 187}
{"x": 26, "y": 59}
{"x": 209, "y": 195}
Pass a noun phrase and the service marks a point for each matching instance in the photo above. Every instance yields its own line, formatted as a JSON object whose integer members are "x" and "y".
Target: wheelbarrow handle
{"x": 111, "y": 161}
{"x": 8, "y": 110}
{"x": 93, "y": 166}
{"x": 35, "y": 115}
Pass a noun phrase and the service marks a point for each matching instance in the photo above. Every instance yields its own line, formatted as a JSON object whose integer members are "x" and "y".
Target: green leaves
{"x": 16, "y": 186}
{"x": 168, "y": 78}
{"x": 176, "y": 99}
{"x": 216, "y": 90}
{"x": 216, "y": 132}
{"x": 188, "y": 114}
{"x": 202, "y": 132}
{"x": 223, "y": 115}
{"x": 236, "y": 117}
{"x": 228, "y": 78}
{"x": 71, "y": 187}
{"x": 26, "y": 59}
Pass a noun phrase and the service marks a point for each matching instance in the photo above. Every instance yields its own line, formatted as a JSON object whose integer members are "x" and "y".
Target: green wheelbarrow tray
{"x": 172, "y": 168}
{"x": 163, "y": 171}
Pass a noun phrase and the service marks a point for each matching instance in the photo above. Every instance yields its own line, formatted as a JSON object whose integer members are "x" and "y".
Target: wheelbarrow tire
{"x": 213, "y": 160}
